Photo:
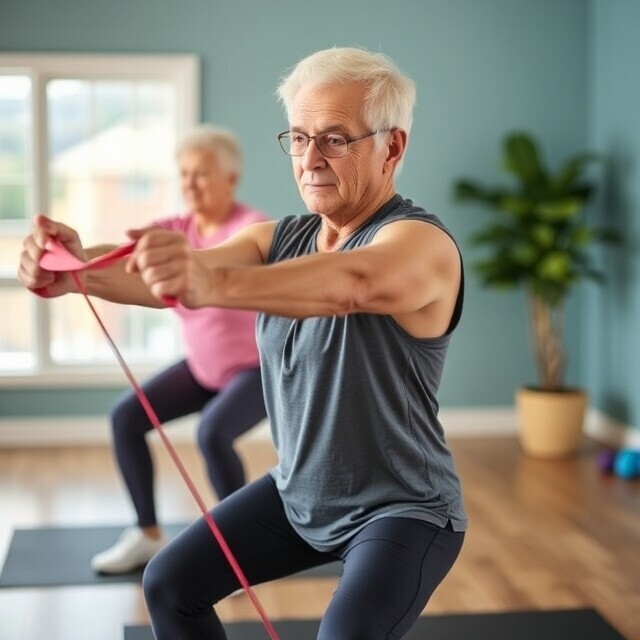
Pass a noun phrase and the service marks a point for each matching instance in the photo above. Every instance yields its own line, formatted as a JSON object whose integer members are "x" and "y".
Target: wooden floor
{"x": 542, "y": 535}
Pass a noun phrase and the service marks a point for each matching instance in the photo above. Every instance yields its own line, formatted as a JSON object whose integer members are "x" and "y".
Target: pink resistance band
{"x": 57, "y": 258}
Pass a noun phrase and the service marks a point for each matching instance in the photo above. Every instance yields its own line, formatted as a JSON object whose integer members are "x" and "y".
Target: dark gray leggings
{"x": 390, "y": 569}
{"x": 224, "y": 415}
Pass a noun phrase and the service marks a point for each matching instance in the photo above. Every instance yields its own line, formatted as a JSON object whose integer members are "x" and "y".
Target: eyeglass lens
{"x": 332, "y": 145}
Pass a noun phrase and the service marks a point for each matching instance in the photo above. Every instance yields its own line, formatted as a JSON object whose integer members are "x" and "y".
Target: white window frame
{"x": 181, "y": 70}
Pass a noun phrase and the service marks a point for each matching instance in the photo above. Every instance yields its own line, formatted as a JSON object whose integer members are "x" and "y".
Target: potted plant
{"x": 538, "y": 239}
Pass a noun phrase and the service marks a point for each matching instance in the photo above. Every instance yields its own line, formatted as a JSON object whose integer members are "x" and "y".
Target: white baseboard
{"x": 479, "y": 421}
{"x": 90, "y": 430}
{"x": 611, "y": 432}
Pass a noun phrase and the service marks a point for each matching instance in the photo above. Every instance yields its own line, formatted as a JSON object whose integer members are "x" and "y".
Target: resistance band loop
{"x": 57, "y": 255}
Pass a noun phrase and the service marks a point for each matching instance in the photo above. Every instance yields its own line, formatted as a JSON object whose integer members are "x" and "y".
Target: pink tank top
{"x": 218, "y": 342}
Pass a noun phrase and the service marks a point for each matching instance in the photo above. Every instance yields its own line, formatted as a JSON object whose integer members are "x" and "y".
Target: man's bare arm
{"x": 408, "y": 267}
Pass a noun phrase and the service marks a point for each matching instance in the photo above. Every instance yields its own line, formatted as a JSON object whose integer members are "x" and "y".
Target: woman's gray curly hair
{"x": 220, "y": 142}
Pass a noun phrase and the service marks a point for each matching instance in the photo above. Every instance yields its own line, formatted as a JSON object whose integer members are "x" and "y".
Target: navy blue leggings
{"x": 224, "y": 415}
{"x": 390, "y": 569}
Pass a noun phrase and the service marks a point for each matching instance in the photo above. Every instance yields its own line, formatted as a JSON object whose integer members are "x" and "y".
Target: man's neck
{"x": 334, "y": 233}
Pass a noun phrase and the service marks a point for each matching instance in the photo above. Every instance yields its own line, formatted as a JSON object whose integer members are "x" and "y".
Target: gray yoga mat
{"x": 60, "y": 556}
{"x": 572, "y": 624}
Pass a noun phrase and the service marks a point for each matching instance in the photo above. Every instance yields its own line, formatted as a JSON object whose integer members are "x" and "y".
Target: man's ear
{"x": 395, "y": 149}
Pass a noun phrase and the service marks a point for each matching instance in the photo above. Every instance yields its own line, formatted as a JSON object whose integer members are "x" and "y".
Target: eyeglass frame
{"x": 348, "y": 141}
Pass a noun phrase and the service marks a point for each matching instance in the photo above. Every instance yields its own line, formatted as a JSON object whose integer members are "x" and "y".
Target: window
{"x": 89, "y": 140}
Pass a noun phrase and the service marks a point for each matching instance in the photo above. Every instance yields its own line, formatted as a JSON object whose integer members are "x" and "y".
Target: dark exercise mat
{"x": 572, "y": 624}
{"x": 61, "y": 556}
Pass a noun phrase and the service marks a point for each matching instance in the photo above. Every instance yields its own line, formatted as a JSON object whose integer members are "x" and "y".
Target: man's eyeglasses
{"x": 330, "y": 145}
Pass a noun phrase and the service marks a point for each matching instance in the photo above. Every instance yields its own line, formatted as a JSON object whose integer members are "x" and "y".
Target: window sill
{"x": 94, "y": 379}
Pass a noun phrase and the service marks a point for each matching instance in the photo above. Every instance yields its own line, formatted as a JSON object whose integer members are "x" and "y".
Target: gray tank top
{"x": 352, "y": 406}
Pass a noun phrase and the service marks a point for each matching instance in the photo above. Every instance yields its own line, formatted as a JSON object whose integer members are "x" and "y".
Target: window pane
{"x": 15, "y": 166}
{"x": 111, "y": 146}
{"x": 142, "y": 335}
{"x": 16, "y": 338}
{"x": 13, "y": 200}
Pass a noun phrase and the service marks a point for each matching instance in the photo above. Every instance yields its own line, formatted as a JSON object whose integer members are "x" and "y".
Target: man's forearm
{"x": 298, "y": 288}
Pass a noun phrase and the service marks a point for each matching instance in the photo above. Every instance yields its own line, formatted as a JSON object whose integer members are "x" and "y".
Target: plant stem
{"x": 547, "y": 323}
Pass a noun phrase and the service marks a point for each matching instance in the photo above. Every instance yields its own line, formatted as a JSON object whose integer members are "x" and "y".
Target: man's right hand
{"x": 48, "y": 284}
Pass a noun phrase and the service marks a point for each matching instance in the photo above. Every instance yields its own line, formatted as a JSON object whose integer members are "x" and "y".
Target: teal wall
{"x": 611, "y": 343}
{"x": 481, "y": 66}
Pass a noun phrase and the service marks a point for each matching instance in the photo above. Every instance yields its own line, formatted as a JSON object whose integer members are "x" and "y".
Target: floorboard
{"x": 543, "y": 535}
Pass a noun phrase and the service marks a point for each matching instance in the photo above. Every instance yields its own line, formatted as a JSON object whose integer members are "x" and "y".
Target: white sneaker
{"x": 132, "y": 550}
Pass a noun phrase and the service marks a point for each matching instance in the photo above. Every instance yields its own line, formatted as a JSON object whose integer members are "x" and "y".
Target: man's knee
{"x": 159, "y": 588}
{"x": 154, "y": 586}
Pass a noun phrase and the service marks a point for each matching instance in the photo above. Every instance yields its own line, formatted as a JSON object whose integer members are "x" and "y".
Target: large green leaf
{"x": 570, "y": 172}
{"x": 560, "y": 209}
{"x": 470, "y": 190}
{"x": 543, "y": 235}
{"x": 581, "y": 235}
{"x": 525, "y": 254}
{"x": 517, "y": 205}
{"x": 555, "y": 266}
{"x": 521, "y": 158}
{"x": 494, "y": 234}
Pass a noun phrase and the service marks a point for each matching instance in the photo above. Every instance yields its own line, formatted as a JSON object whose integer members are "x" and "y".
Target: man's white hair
{"x": 390, "y": 94}
{"x": 220, "y": 142}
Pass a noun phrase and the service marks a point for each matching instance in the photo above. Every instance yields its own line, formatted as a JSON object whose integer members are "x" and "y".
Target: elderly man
{"x": 357, "y": 301}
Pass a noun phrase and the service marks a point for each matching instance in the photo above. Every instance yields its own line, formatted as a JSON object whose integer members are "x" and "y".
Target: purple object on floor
{"x": 605, "y": 460}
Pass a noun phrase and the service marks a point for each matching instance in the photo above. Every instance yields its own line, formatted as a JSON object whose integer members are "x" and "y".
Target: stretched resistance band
{"x": 57, "y": 258}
